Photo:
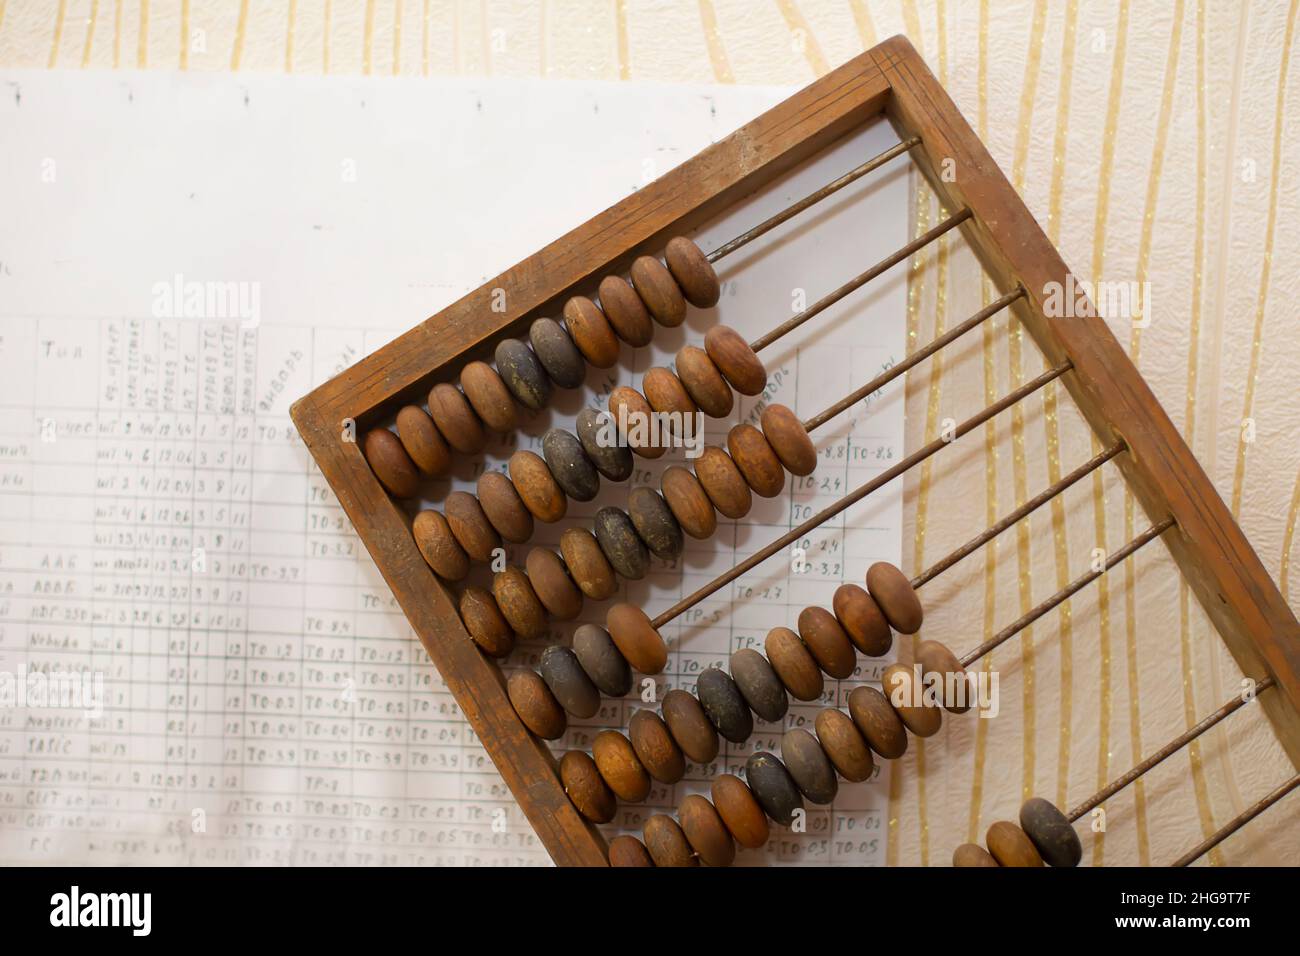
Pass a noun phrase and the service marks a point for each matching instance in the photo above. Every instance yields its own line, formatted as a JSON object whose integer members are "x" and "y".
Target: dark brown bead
{"x": 723, "y": 482}
{"x": 756, "y": 460}
{"x": 569, "y": 464}
{"x": 689, "y": 503}
{"x": 456, "y": 419}
{"x": 537, "y": 487}
{"x": 862, "y": 620}
{"x": 666, "y": 395}
{"x": 793, "y": 663}
{"x": 599, "y": 438}
{"x": 471, "y": 526}
{"x": 703, "y": 382}
{"x": 585, "y": 788}
{"x": 690, "y": 726}
{"x": 726, "y": 708}
{"x": 422, "y": 441}
{"x": 504, "y": 508}
{"x": 1011, "y": 846}
{"x": 628, "y": 851}
{"x": 602, "y": 660}
{"x": 655, "y": 747}
{"x": 636, "y": 638}
{"x": 557, "y": 353}
{"x": 667, "y": 843}
{"x": 439, "y": 546}
{"x": 759, "y": 685}
{"x": 739, "y": 810}
{"x": 587, "y": 563}
{"x": 518, "y": 602}
{"x": 735, "y": 360}
{"x": 488, "y": 395}
{"x": 634, "y": 417}
{"x": 654, "y": 522}
{"x": 705, "y": 831}
{"x": 1050, "y": 832}
{"x": 620, "y": 767}
{"x": 773, "y": 787}
{"x": 485, "y": 622}
{"x": 827, "y": 641}
{"x": 789, "y": 439}
{"x": 972, "y": 854}
{"x": 899, "y": 682}
{"x": 591, "y": 332}
{"x": 390, "y": 463}
{"x": 625, "y": 311}
{"x": 935, "y": 658}
{"x": 536, "y": 705}
{"x": 659, "y": 291}
{"x": 844, "y": 745}
{"x": 569, "y": 682}
{"x": 809, "y": 766}
{"x": 693, "y": 272}
{"x": 552, "y": 584}
{"x": 523, "y": 374}
{"x": 896, "y": 597}
{"x": 878, "y": 722}
{"x": 623, "y": 547}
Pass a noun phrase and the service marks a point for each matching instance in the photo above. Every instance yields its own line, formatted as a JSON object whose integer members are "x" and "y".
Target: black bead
{"x": 725, "y": 707}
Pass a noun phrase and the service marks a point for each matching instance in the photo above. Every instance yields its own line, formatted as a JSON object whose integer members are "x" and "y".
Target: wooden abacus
{"x": 422, "y": 559}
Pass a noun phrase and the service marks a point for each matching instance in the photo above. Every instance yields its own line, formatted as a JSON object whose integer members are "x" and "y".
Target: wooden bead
{"x": 569, "y": 465}
{"x": 878, "y": 722}
{"x": 972, "y": 854}
{"x": 471, "y": 526}
{"x": 735, "y": 360}
{"x": 599, "y": 437}
{"x": 655, "y": 747}
{"x": 724, "y": 705}
{"x": 585, "y": 788}
{"x": 667, "y": 843}
{"x": 703, "y": 382}
{"x": 688, "y": 501}
{"x": 602, "y": 661}
{"x": 666, "y": 394}
{"x": 390, "y": 463}
{"x": 536, "y": 705}
{"x": 756, "y": 460}
{"x": 690, "y": 726}
{"x": 723, "y": 482}
{"x": 759, "y": 685}
{"x": 773, "y": 787}
{"x": 422, "y": 441}
{"x": 625, "y": 311}
{"x": 633, "y": 415}
{"x": 537, "y": 487}
{"x": 636, "y": 638}
{"x": 587, "y": 563}
{"x": 793, "y": 663}
{"x": 789, "y": 439}
{"x": 504, "y": 508}
{"x": 557, "y": 353}
{"x": 623, "y": 547}
{"x": 739, "y": 810}
{"x": 827, "y": 642}
{"x": 439, "y": 546}
{"x": 693, "y": 272}
{"x": 1050, "y": 832}
{"x": 486, "y": 624}
{"x": 936, "y": 658}
{"x": 705, "y": 831}
{"x": 659, "y": 291}
{"x": 518, "y": 602}
{"x": 569, "y": 682}
{"x": 628, "y": 851}
{"x": 809, "y": 766}
{"x": 1011, "y": 846}
{"x": 456, "y": 419}
{"x": 489, "y": 397}
{"x": 591, "y": 332}
{"x": 896, "y": 597}
{"x": 523, "y": 374}
{"x": 862, "y": 620}
{"x": 552, "y": 584}
{"x": 844, "y": 745}
{"x": 899, "y": 683}
{"x": 654, "y": 522}
{"x": 620, "y": 767}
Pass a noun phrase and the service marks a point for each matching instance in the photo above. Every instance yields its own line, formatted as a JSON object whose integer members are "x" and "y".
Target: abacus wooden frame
{"x": 1218, "y": 562}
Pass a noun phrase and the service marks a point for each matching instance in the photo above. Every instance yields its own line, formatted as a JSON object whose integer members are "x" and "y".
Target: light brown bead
{"x": 723, "y": 482}
{"x": 471, "y": 526}
{"x": 936, "y": 658}
{"x": 690, "y": 726}
{"x": 735, "y": 360}
{"x": 390, "y": 463}
{"x": 422, "y": 441}
{"x": 489, "y": 397}
{"x": 793, "y": 663}
{"x": 862, "y": 620}
{"x": 896, "y": 597}
{"x": 552, "y": 584}
{"x": 899, "y": 682}
{"x": 739, "y": 810}
{"x": 456, "y": 419}
{"x": 878, "y": 722}
{"x": 504, "y": 508}
{"x": 659, "y": 291}
{"x": 789, "y": 439}
{"x": 705, "y": 831}
{"x": 844, "y": 745}
{"x": 667, "y": 843}
{"x": 485, "y": 622}
{"x": 587, "y": 563}
{"x": 439, "y": 546}
{"x": 591, "y": 332}
{"x": 537, "y": 487}
{"x": 665, "y": 393}
{"x": 620, "y": 767}
{"x": 626, "y": 312}
{"x": 703, "y": 382}
{"x": 536, "y": 705}
{"x": 583, "y": 784}
{"x": 655, "y": 747}
{"x": 756, "y": 460}
{"x": 518, "y": 602}
{"x": 636, "y": 638}
{"x": 688, "y": 501}
{"x": 629, "y": 407}
{"x": 628, "y": 851}
{"x": 827, "y": 641}
{"x": 972, "y": 854}
{"x": 1011, "y": 846}
{"x": 693, "y": 272}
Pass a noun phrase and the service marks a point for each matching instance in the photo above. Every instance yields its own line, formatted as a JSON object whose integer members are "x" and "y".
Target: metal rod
{"x": 789, "y": 212}
{"x": 857, "y": 495}
{"x": 1238, "y": 822}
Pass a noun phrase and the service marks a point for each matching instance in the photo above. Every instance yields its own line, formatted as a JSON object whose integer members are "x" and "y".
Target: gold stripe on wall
{"x": 713, "y": 42}
{"x": 117, "y": 33}
{"x": 799, "y": 29}
{"x": 185, "y": 34}
{"x": 862, "y": 20}
{"x": 142, "y": 41}
{"x": 1288, "y": 537}
{"x": 325, "y": 38}
{"x": 241, "y": 27}
{"x": 58, "y": 33}
{"x": 288, "y": 36}
{"x": 90, "y": 32}
{"x": 397, "y": 37}
{"x": 620, "y": 22}
{"x": 368, "y": 39}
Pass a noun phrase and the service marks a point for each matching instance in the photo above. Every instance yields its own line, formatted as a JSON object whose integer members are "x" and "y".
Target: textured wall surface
{"x": 1156, "y": 141}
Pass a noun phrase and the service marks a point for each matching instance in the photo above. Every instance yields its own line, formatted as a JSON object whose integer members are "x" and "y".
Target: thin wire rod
{"x": 920, "y": 355}
{"x": 789, "y": 212}
{"x": 1033, "y": 504}
{"x": 857, "y": 495}
{"x": 858, "y": 281}
{"x": 1076, "y": 585}
{"x": 1168, "y": 750}
{"x": 1238, "y": 822}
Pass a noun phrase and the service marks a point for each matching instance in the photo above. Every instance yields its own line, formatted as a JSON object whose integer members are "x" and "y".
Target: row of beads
{"x": 1044, "y": 836}
{"x": 527, "y": 372}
